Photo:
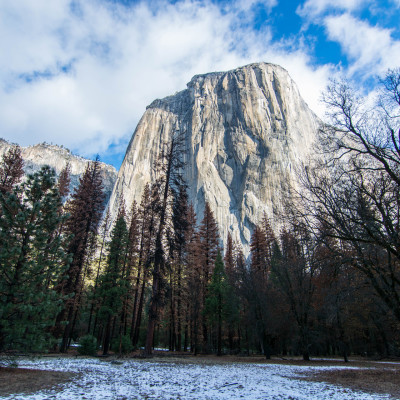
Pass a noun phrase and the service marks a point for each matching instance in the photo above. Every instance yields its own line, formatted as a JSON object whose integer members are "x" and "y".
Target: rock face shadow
{"x": 245, "y": 131}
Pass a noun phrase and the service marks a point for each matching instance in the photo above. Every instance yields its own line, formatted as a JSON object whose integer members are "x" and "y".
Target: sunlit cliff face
{"x": 245, "y": 132}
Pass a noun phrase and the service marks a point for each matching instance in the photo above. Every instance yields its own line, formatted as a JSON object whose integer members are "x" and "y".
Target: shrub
{"x": 87, "y": 345}
{"x": 126, "y": 345}
{"x": 8, "y": 360}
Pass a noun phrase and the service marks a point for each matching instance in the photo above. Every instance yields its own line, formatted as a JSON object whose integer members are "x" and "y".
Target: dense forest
{"x": 324, "y": 281}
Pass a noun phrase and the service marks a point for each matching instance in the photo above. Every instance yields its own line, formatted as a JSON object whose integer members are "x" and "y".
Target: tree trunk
{"x": 107, "y": 336}
{"x": 158, "y": 260}
{"x": 219, "y": 333}
{"x": 135, "y": 302}
{"x": 179, "y": 311}
{"x": 139, "y": 315}
{"x": 153, "y": 310}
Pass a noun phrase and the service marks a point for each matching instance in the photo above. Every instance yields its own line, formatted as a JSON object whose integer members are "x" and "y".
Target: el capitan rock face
{"x": 245, "y": 132}
{"x": 35, "y": 157}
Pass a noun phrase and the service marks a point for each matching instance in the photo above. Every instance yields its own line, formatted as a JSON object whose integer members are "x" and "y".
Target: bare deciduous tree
{"x": 354, "y": 189}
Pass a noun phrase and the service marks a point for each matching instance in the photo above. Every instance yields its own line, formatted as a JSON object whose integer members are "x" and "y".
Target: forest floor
{"x": 178, "y": 376}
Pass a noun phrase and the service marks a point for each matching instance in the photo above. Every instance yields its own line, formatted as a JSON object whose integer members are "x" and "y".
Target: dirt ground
{"x": 379, "y": 377}
{"x": 22, "y": 380}
{"x": 377, "y": 380}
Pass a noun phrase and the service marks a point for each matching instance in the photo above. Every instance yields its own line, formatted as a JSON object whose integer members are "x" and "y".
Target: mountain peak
{"x": 246, "y": 130}
{"x": 253, "y": 66}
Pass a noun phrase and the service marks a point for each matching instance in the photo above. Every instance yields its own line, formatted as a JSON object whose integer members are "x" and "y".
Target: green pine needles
{"x": 216, "y": 304}
{"x": 113, "y": 283}
{"x": 32, "y": 261}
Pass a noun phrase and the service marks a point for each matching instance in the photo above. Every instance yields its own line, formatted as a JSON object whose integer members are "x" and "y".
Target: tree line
{"x": 326, "y": 282}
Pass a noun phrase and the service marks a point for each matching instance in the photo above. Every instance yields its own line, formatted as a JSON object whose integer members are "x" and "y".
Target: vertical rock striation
{"x": 245, "y": 132}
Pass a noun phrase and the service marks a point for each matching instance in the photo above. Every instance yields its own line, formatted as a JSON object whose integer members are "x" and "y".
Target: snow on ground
{"x": 144, "y": 379}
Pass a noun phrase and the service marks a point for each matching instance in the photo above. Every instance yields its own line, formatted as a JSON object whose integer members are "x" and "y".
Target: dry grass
{"x": 380, "y": 379}
{"x": 23, "y": 380}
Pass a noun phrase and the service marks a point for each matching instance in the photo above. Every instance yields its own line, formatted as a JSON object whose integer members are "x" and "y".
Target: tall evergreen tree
{"x": 11, "y": 169}
{"x": 32, "y": 260}
{"x": 169, "y": 171}
{"x": 259, "y": 252}
{"x": 64, "y": 180}
{"x": 130, "y": 265}
{"x": 229, "y": 258}
{"x": 85, "y": 209}
{"x": 294, "y": 268}
{"x": 216, "y": 299}
{"x": 207, "y": 250}
{"x": 191, "y": 288}
{"x": 233, "y": 303}
{"x": 113, "y": 287}
{"x": 177, "y": 263}
{"x": 104, "y": 230}
{"x": 258, "y": 293}
{"x": 147, "y": 220}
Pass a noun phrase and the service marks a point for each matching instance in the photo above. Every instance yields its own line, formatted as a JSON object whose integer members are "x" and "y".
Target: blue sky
{"x": 80, "y": 73}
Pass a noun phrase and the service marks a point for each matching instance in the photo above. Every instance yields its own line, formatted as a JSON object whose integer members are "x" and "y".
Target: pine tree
{"x": 242, "y": 288}
{"x": 258, "y": 280}
{"x": 232, "y": 302}
{"x": 258, "y": 293}
{"x": 11, "y": 169}
{"x": 147, "y": 220}
{"x": 113, "y": 288}
{"x": 269, "y": 235}
{"x": 64, "y": 180}
{"x": 207, "y": 250}
{"x": 191, "y": 288}
{"x": 229, "y": 259}
{"x": 104, "y": 230}
{"x": 32, "y": 260}
{"x": 216, "y": 299}
{"x": 293, "y": 269}
{"x": 130, "y": 265}
{"x": 85, "y": 209}
{"x": 208, "y": 242}
{"x": 177, "y": 248}
{"x": 169, "y": 171}
{"x": 259, "y": 253}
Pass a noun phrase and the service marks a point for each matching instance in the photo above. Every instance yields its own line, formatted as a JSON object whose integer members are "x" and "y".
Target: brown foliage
{"x": 85, "y": 209}
{"x": 11, "y": 169}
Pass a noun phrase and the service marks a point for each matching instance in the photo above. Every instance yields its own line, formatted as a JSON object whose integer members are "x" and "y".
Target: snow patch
{"x": 144, "y": 379}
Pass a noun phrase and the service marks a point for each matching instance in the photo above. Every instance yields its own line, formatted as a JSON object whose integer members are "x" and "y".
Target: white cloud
{"x": 246, "y": 5}
{"x": 81, "y": 75}
{"x": 371, "y": 49}
{"x": 314, "y": 8}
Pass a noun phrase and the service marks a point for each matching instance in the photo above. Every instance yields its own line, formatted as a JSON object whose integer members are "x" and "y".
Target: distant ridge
{"x": 57, "y": 157}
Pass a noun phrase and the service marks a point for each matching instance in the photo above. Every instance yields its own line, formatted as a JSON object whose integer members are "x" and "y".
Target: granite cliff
{"x": 245, "y": 131}
{"x": 57, "y": 157}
